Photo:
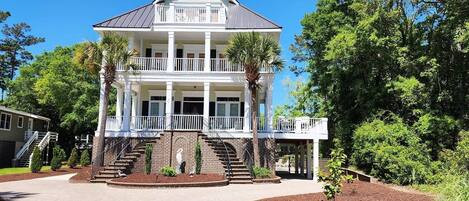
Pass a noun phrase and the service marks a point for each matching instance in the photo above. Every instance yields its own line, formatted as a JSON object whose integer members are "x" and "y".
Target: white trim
{"x": 228, "y": 94}
{"x": 195, "y": 94}
{"x": 18, "y": 121}
{"x": 6, "y": 116}
{"x": 157, "y": 93}
{"x": 210, "y": 29}
{"x": 3, "y": 108}
{"x": 121, "y": 29}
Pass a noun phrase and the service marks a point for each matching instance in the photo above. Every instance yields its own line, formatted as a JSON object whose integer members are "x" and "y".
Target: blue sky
{"x": 66, "y": 22}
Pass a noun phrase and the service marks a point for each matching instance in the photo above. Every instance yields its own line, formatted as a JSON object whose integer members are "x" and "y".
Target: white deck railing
{"x": 148, "y": 123}
{"x": 226, "y": 123}
{"x": 189, "y": 64}
{"x": 187, "y": 122}
{"x": 146, "y": 64}
{"x": 223, "y": 65}
{"x": 190, "y": 14}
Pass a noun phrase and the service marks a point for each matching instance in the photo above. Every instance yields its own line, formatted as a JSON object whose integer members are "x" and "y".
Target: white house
{"x": 184, "y": 82}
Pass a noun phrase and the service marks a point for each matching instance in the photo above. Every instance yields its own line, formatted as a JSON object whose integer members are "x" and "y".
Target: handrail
{"x": 250, "y": 158}
{"x": 26, "y": 145}
{"x": 230, "y": 171}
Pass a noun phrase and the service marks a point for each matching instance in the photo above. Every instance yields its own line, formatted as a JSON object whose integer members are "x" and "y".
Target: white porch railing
{"x": 224, "y": 65}
{"x": 148, "y": 123}
{"x": 146, "y": 64}
{"x": 226, "y": 123}
{"x": 189, "y": 64}
{"x": 187, "y": 122}
{"x": 190, "y": 14}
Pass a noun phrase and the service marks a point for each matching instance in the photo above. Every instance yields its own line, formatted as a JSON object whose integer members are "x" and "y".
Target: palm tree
{"x": 254, "y": 51}
{"x": 104, "y": 56}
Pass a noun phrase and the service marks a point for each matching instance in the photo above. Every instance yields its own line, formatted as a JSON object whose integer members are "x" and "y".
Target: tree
{"x": 85, "y": 158}
{"x": 198, "y": 158}
{"x": 73, "y": 159}
{"x": 104, "y": 56}
{"x": 13, "y": 46}
{"x": 254, "y": 51}
{"x": 335, "y": 177}
{"x": 57, "y": 158}
{"x": 148, "y": 158}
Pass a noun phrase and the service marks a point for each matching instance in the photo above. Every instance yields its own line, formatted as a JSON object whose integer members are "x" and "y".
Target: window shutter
{"x": 148, "y": 52}
{"x": 177, "y": 107}
{"x": 241, "y": 109}
{"x": 213, "y": 53}
{"x": 145, "y": 108}
{"x": 211, "y": 109}
{"x": 179, "y": 53}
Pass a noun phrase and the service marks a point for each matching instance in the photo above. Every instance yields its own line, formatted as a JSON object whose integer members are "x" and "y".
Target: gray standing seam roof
{"x": 239, "y": 17}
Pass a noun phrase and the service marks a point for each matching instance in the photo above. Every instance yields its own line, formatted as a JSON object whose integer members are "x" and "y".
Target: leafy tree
{"x": 254, "y": 51}
{"x": 36, "y": 162}
{"x": 335, "y": 177}
{"x": 13, "y": 43}
{"x": 104, "y": 56}
{"x": 73, "y": 159}
{"x": 85, "y": 158}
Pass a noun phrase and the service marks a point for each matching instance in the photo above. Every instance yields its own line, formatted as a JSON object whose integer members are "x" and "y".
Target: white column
{"x": 142, "y": 49}
{"x": 308, "y": 160}
{"x": 206, "y": 106}
{"x": 269, "y": 116}
{"x": 119, "y": 102}
{"x": 139, "y": 100}
{"x": 134, "y": 110}
{"x": 101, "y": 103}
{"x": 131, "y": 42}
{"x": 171, "y": 12}
{"x": 316, "y": 159}
{"x": 247, "y": 109}
{"x": 127, "y": 105}
{"x": 208, "y": 12}
{"x": 170, "y": 67}
{"x": 169, "y": 103}
{"x": 207, "y": 51}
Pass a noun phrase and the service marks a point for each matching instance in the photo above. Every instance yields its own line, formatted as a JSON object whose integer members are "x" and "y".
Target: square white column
{"x": 207, "y": 52}
{"x": 316, "y": 159}
{"x": 308, "y": 160}
{"x": 171, "y": 50}
{"x": 139, "y": 100}
{"x": 208, "y": 12}
{"x": 269, "y": 116}
{"x": 247, "y": 109}
{"x": 127, "y": 105}
{"x": 169, "y": 103}
{"x": 206, "y": 106}
{"x": 133, "y": 117}
{"x": 171, "y": 13}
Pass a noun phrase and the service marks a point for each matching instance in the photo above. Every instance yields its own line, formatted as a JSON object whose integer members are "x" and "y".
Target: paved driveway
{"x": 58, "y": 188}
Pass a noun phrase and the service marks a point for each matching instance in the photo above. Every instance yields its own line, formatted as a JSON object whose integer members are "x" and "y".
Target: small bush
{"x": 56, "y": 162}
{"x": 62, "y": 154}
{"x": 85, "y": 158}
{"x": 148, "y": 153}
{"x": 333, "y": 181}
{"x": 168, "y": 171}
{"x": 198, "y": 159}
{"x": 73, "y": 159}
{"x": 261, "y": 172}
{"x": 36, "y": 163}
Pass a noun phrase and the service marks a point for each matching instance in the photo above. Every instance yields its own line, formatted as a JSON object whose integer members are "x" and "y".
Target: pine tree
{"x": 73, "y": 160}
{"x": 85, "y": 158}
{"x": 36, "y": 163}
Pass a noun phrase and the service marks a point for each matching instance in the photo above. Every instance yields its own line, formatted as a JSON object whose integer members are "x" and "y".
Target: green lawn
{"x": 19, "y": 170}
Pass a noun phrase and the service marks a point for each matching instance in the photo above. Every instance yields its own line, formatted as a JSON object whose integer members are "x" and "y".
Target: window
{"x": 20, "y": 122}
{"x": 5, "y": 121}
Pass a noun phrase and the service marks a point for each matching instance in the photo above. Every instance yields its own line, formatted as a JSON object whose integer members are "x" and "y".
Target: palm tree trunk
{"x": 99, "y": 158}
{"x": 255, "y": 139}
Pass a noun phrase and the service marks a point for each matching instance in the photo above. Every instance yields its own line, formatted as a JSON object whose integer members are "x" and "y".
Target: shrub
{"x": 36, "y": 163}
{"x": 389, "y": 150}
{"x": 85, "y": 158}
{"x": 168, "y": 171}
{"x": 62, "y": 154}
{"x": 56, "y": 162}
{"x": 333, "y": 181}
{"x": 73, "y": 159}
{"x": 198, "y": 158}
{"x": 148, "y": 155}
{"x": 261, "y": 172}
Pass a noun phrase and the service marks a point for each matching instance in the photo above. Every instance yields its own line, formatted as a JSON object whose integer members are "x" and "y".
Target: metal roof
{"x": 239, "y": 17}
{"x": 5, "y": 109}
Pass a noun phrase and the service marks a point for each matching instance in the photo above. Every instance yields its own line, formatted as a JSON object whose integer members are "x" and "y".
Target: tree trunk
{"x": 255, "y": 139}
{"x": 99, "y": 158}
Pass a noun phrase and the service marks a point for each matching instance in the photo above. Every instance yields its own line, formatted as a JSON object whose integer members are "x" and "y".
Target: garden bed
{"x": 274, "y": 180}
{"x": 82, "y": 176}
{"x": 27, "y": 176}
{"x": 362, "y": 191}
{"x": 141, "y": 180}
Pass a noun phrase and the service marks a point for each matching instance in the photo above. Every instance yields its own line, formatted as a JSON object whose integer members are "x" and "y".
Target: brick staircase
{"x": 239, "y": 172}
{"x": 124, "y": 164}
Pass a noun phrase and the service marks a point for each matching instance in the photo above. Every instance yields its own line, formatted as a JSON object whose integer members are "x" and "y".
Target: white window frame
{"x": 191, "y": 94}
{"x": 6, "y": 116}
{"x": 18, "y": 122}
{"x": 228, "y": 94}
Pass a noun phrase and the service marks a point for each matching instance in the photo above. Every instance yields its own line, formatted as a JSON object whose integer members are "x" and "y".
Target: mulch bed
{"x": 182, "y": 178}
{"x": 362, "y": 191}
{"x": 27, "y": 176}
{"x": 82, "y": 176}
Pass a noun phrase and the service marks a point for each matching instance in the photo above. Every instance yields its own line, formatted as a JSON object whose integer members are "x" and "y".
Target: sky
{"x": 66, "y": 22}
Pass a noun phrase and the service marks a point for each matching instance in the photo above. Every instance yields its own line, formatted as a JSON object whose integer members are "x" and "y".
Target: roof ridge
{"x": 259, "y": 15}
{"x": 150, "y": 4}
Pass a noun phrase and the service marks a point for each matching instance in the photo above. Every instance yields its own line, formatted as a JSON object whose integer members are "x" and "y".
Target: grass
{"x": 20, "y": 170}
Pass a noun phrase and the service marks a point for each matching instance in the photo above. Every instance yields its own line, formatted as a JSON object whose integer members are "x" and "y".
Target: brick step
{"x": 136, "y": 154}
{"x": 238, "y": 170}
{"x": 223, "y": 158}
{"x": 111, "y": 172}
{"x": 240, "y": 178}
{"x": 236, "y": 166}
{"x": 233, "y": 162}
{"x": 124, "y": 161}
{"x": 233, "y": 174}
{"x": 98, "y": 180}
{"x": 115, "y": 168}
{"x": 106, "y": 176}
{"x": 120, "y": 165}
{"x": 241, "y": 182}
{"x": 133, "y": 158}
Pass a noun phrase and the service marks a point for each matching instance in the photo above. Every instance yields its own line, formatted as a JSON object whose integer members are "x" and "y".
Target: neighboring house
{"x": 15, "y": 128}
{"x": 184, "y": 90}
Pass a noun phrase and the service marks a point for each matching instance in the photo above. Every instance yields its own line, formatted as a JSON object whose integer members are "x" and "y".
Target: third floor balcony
{"x": 190, "y": 14}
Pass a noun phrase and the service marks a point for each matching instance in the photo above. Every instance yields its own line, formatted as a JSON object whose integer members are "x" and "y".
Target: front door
{"x": 228, "y": 113}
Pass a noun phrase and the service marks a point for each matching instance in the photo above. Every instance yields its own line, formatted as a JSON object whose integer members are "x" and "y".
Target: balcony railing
{"x": 189, "y": 64}
{"x": 226, "y": 123}
{"x": 223, "y": 65}
{"x": 146, "y": 64}
{"x": 190, "y": 14}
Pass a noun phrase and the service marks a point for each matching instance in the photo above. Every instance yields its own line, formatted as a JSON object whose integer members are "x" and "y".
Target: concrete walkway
{"x": 58, "y": 188}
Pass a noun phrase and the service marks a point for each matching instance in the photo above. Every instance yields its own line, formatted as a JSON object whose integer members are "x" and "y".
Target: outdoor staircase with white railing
{"x": 34, "y": 139}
